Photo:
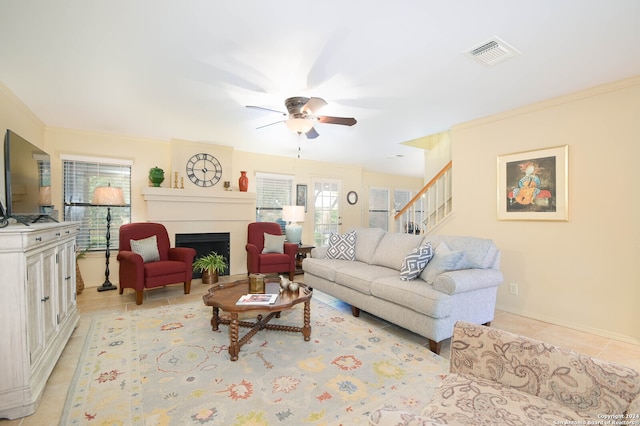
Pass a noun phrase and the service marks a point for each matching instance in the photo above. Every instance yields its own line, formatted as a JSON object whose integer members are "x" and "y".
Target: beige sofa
{"x": 458, "y": 283}
{"x": 500, "y": 378}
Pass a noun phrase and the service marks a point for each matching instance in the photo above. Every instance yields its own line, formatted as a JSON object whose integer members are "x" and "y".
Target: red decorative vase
{"x": 243, "y": 182}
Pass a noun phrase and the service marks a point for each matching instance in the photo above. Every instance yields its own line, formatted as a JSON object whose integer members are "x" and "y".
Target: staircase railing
{"x": 429, "y": 207}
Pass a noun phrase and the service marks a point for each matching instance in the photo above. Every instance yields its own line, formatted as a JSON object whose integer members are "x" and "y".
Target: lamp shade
{"x": 44, "y": 198}
{"x": 299, "y": 125}
{"x": 108, "y": 196}
{"x": 293, "y": 213}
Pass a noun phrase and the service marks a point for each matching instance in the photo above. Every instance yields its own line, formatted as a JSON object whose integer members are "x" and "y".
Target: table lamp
{"x": 292, "y": 230}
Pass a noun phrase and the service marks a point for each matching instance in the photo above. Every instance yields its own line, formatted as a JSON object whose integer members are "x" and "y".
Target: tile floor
{"x": 92, "y": 303}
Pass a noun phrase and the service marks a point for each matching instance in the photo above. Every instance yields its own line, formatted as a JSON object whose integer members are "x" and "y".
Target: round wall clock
{"x": 204, "y": 169}
{"x": 352, "y": 197}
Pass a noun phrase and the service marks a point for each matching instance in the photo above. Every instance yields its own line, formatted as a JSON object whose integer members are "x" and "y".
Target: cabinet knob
{"x": 38, "y": 238}
{"x": 44, "y": 299}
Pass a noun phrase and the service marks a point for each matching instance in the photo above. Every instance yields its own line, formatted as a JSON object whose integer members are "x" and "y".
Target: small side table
{"x": 303, "y": 251}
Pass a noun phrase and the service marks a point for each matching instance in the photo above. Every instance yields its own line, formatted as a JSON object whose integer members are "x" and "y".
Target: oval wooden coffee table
{"x": 224, "y": 296}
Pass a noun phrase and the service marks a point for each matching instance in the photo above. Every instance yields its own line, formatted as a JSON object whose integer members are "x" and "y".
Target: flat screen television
{"x": 27, "y": 180}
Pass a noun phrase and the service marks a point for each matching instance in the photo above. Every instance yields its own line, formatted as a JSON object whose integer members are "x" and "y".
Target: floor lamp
{"x": 108, "y": 196}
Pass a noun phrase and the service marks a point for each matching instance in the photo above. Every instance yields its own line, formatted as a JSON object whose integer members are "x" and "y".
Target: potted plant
{"x": 210, "y": 265}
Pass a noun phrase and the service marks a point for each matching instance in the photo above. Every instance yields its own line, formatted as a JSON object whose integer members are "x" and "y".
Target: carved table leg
{"x": 234, "y": 347}
{"x": 306, "y": 329}
{"x": 214, "y": 319}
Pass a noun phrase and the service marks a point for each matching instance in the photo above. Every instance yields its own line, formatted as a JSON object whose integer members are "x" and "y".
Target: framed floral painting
{"x": 533, "y": 185}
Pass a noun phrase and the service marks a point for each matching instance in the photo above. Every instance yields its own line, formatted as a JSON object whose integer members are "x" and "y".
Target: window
{"x": 272, "y": 192}
{"x": 326, "y": 207}
{"x": 411, "y": 220}
{"x": 81, "y": 175}
{"x": 379, "y": 208}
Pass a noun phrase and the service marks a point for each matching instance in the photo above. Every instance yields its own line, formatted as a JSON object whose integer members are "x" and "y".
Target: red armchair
{"x": 173, "y": 265}
{"x": 264, "y": 263}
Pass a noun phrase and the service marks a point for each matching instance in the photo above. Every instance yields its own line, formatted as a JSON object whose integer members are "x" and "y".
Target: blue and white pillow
{"x": 415, "y": 262}
{"x": 342, "y": 246}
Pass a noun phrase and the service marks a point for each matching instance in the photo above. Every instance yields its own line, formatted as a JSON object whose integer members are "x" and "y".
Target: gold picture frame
{"x": 533, "y": 185}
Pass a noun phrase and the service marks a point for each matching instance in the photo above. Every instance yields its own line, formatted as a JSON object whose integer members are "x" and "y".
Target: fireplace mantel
{"x": 204, "y": 210}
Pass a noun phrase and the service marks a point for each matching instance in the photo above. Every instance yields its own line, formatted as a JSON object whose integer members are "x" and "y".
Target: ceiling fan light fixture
{"x": 299, "y": 125}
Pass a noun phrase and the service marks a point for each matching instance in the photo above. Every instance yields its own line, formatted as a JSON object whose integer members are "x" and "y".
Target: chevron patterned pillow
{"x": 342, "y": 246}
{"x": 415, "y": 262}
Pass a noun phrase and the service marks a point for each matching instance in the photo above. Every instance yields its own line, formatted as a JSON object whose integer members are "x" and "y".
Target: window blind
{"x": 272, "y": 192}
{"x": 80, "y": 178}
{"x": 379, "y": 208}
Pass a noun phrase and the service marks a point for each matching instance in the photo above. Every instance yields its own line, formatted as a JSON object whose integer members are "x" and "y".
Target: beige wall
{"x": 171, "y": 156}
{"x": 581, "y": 273}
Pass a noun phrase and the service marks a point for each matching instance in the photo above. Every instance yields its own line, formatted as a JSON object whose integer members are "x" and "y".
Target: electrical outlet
{"x": 513, "y": 289}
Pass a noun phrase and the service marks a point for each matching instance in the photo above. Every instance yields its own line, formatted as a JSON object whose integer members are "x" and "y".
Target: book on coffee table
{"x": 257, "y": 299}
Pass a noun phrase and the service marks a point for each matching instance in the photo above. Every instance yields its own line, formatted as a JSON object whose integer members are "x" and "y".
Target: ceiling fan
{"x": 302, "y": 115}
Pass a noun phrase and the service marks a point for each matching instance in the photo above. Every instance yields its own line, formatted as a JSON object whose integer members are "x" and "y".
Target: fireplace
{"x": 205, "y": 243}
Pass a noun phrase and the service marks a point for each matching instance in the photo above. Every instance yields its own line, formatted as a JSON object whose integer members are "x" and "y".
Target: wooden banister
{"x": 424, "y": 189}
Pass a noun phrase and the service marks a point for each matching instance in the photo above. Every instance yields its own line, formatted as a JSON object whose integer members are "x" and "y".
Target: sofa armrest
{"x": 319, "y": 252}
{"x": 466, "y": 280}
{"x": 586, "y": 385}
{"x": 182, "y": 254}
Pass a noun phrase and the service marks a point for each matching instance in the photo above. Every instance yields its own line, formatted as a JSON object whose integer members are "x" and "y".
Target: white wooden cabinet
{"x": 38, "y": 310}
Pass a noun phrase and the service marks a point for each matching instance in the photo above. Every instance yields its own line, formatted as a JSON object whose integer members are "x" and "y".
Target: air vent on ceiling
{"x": 492, "y": 51}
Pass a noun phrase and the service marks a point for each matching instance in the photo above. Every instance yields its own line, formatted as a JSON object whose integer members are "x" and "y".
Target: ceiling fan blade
{"x": 313, "y": 105}
{"x": 266, "y": 109}
{"x": 345, "y": 121}
{"x": 312, "y": 134}
{"x": 270, "y": 124}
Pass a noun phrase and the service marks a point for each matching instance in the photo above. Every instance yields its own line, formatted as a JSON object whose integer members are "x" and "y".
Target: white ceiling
{"x": 186, "y": 69}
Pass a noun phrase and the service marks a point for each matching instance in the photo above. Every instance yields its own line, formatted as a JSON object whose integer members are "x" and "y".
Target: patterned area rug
{"x": 165, "y": 366}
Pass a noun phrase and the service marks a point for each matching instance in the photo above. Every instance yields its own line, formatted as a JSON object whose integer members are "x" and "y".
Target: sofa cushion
{"x": 415, "y": 262}
{"x": 367, "y": 240}
{"x": 393, "y": 248}
{"x": 473, "y": 400}
{"x": 479, "y": 252}
{"x": 325, "y": 268}
{"x": 443, "y": 260}
{"x": 359, "y": 276}
{"x": 342, "y": 246}
{"x": 416, "y": 295}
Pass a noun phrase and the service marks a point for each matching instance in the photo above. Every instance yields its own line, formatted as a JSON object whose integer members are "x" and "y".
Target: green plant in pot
{"x": 211, "y": 266}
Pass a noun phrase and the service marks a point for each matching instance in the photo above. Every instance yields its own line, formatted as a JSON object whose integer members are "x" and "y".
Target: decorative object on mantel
{"x": 156, "y": 176}
{"x": 227, "y": 185}
{"x": 108, "y": 196}
{"x": 175, "y": 180}
{"x": 211, "y": 266}
{"x": 243, "y": 181}
{"x": 293, "y": 215}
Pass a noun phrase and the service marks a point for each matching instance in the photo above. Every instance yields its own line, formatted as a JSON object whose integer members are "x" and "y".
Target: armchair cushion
{"x": 273, "y": 243}
{"x": 147, "y": 248}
